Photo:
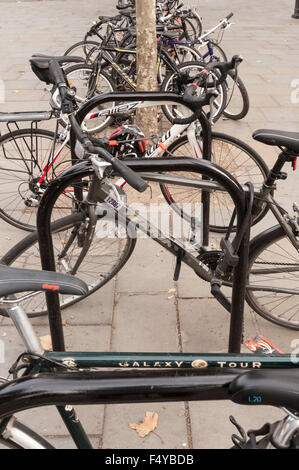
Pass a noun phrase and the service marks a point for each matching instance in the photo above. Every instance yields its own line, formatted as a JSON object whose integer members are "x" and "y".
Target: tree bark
{"x": 147, "y": 61}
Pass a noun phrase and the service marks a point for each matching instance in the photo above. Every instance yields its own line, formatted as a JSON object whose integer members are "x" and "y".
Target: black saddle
{"x": 110, "y": 19}
{"x": 14, "y": 280}
{"x": 169, "y": 35}
{"x": 40, "y": 64}
{"x": 128, "y": 13}
{"x": 289, "y": 140}
{"x": 278, "y": 388}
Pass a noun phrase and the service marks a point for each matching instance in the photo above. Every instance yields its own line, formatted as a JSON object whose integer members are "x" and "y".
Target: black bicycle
{"x": 64, "y": 379}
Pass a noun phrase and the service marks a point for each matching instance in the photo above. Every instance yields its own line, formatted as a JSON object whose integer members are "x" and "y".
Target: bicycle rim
{"x": 24, "y": 155}
{"x": 105, "y": 254}
{"x": 232, "y": 155}
{"x": 273, "y": 278}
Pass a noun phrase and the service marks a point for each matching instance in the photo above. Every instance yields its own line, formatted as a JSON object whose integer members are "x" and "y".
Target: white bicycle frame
{"x": 164, "y": 142}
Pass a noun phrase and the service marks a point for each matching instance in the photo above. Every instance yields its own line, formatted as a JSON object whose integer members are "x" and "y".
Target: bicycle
{"x": 28, "y": 145}
{"x": 262, "y": 283}
{"x": 75, "y": 235}
{"x": 238, "y": 100}
{"x": 248, "y": 379}
{"x": 28, "y": 157}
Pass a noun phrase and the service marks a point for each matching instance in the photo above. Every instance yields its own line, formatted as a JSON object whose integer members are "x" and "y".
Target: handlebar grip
{"x": 56, "y": 72}
{"x": 180, "y": 6}
{"x": 80, "y": 135}
{"x": 131, "y": 177}
{"x": 229, "y": 16}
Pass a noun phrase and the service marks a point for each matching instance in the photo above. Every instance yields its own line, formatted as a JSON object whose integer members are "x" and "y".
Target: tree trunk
{"x": 147, "y": 61}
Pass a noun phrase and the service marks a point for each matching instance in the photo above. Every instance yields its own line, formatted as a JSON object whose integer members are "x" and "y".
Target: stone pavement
{"x": 134, "y": 311}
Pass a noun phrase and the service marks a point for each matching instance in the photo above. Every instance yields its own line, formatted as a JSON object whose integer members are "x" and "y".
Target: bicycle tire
{"x": 86, "y": 94}
{"x": 27, "y": 170}
{"x": 181, "y": 147}
{"x": 271, "y": 253}
{"x": 82, "y": 48}
{"x": 245, "y": 100}
{"x": 26, "y": 255}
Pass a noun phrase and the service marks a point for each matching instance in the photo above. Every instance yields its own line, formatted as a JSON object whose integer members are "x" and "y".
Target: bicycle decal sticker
{"x": 255, "y": 400}
{"x": 199, "y": 364}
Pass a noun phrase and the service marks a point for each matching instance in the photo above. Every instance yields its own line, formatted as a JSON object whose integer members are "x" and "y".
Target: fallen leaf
{"x": 171, "y": 291}
{"x": 46, "y": 342}
{"x": 171, "y": 297}
{"x": 64, "y": 322}
{"x": 149, "y": 424}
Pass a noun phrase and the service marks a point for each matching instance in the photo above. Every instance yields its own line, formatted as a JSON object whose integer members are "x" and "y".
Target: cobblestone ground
{"x": 135, "y": 311}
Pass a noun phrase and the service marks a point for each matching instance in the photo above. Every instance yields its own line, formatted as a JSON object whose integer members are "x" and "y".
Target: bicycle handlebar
{"x": 57, "y": 73}
{"x": 132, "y": 178}
{"x": 198, "y": 102}
{"x": 200, "y": 79}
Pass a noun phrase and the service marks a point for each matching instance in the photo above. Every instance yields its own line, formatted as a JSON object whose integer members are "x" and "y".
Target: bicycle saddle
{"x": 14, "y": 280}
{"x": 42, "y": 60}
{"x": 278, "y": 387}
{"x": 290, "y": 140}
{"x": 40, "y": 65}
{"x": 111, "y": 19}
{"x": 128, "y": 13}
{"x": 167, "y": 35}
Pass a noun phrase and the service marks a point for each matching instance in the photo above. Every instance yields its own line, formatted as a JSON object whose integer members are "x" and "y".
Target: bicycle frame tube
{"x": 53, "y": 159}
{"x": 177, "y": 361}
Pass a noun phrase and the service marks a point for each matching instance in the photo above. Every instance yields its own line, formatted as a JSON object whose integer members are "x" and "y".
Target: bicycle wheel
{"x": 80, "y": 77}
{"x": 19, "y": 436}
{"x": 95, "y": 254}
{"x": 273, "y": 278}
{"x": 174, "y": 82}
{"x": 196, "y": 21}
{"x": 237, "y": 98}
{"x": 218, "y": 52}
{"x": 233, "y": 155}
{"x": 183, "y": 53}
{"x": 189, "y": 29}
{"x": 24, "y": 155}
{"x": 83, "y": 49}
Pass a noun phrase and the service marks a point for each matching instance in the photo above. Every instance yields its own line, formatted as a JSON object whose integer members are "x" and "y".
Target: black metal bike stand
{"x": 48, "y": 264}
{"x": 235, "y": 191}
{"x": 296, "y": 10}
{"x": 238, "y": 298}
